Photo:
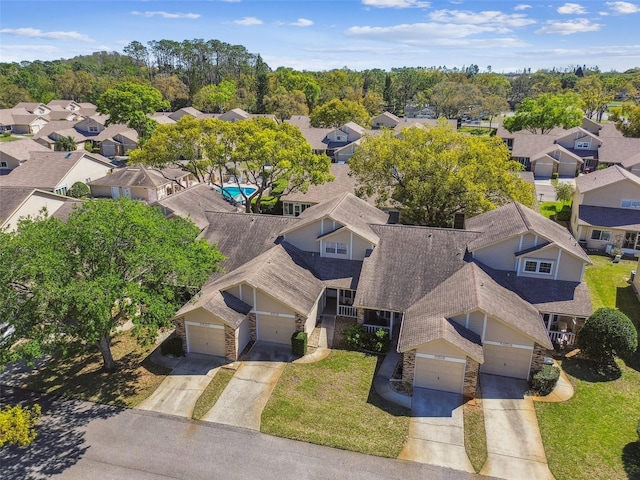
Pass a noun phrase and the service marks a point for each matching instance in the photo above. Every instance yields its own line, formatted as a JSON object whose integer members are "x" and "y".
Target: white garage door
{"x": 508, "y": 361}
{"x": 567, "y": 170}
{"x": 543, "y": 169}
{"x": 205, "y": 339}
{"x": 275, "y": 329}
{"x": 439, "y": 373}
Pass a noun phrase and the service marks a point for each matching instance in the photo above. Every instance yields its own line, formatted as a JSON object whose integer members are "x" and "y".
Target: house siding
{"x": 83, "y": 170}
{"x": 305, "y": 238}
{"x": 32, "y": 207}
{"x": 500, "y": 255}
{"x": 612, "y": 195}
{"x": 497, "y": 331}
{"x": 441, "y": 347}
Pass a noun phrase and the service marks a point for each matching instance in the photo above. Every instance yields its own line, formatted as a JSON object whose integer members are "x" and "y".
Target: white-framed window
{"x": 601, "y": 235}
{"x": 61, "y": 190}
{"x": 4, "y": 165}
{"x": 630, "y": 203}
{"x": 93, "y": 128}
{"x": 583, "y": 145}
{"x": 336, "y": 248}
{"x": 544, "y": 267}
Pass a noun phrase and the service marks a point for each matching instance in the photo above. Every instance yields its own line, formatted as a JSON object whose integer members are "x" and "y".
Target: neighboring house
{"x": 34, "y": 108}
{"x": 57, "y": 171}
{"x": 141, "y": 183}
{"x": 194, "y": 202}
{"x": 26, "y": 124}
{"x": 22, "y": 202}
{"x": 92, "y": 125}
{"x": 13, "y": 154}
{"x": 188, "y": 111}
{"x": 606, "y": 210}
{"x": 116, "y": 140}
{"x": 492, "y": 298}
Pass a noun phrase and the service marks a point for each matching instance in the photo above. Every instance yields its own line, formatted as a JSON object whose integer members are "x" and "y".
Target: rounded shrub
{"x": 545, "y": 380}
{"x": 606, "y": 334}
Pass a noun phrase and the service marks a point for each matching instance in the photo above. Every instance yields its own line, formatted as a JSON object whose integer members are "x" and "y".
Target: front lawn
{"x": 79, "y": 375}
{"x": 333, "y": 403}
{"x": 593, "y": 435}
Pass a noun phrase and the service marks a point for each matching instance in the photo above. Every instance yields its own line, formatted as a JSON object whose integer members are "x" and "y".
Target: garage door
{"x": 205, "y": 339}
{"x": 543, "y": 169}
{"x": 508, "y": 361}
{"x": 439, "y": 373}
{"x": 275, "y": 329}
{"x": 567, "y": 170}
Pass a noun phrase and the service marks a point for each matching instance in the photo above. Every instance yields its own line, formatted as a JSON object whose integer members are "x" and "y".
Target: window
{"x": 601, "y": 235}
{"x": 93, "y": 128}
{"x": 3, "y": 165}
{"x": 336, "y": 248}
{"x": 61, "y": 190}
{"x": 630, "y": 203}
{"x": 538, "y": 266}
{"x": 631, "y": 240}
{"x": 583, "y": 145}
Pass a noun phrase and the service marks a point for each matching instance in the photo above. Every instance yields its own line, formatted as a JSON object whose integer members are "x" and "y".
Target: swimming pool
{"x": 235, "y": 192}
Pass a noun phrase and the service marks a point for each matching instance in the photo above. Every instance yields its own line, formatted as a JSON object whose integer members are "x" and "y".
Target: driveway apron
{"x": 436, "y": 430}
{"x": 242, "y": 401}
{"x": 514, "y": 444}
{"x": 178, "y": 393}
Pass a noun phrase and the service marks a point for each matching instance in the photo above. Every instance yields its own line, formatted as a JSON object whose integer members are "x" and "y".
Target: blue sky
{"x": 359, "y": 34}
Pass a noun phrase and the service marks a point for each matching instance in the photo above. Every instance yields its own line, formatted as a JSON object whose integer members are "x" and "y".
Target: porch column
{"x": 391, "y": 324}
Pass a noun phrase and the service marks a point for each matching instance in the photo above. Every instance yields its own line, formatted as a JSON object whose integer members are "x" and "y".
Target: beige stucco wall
{"x": 570, "y": 268}
{"x": 500, "y": 255}
{"x": 265, "y": 303}
{"x": 33, "y": 206}
{"x": 497, "y": 331}
{"x": 83, "y": 170}
{"x": 200, "y": 315}
{"x": 613, "y": 195}
{"x": 441, "y": 347}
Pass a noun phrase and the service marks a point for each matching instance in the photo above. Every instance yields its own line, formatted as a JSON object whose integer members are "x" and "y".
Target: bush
{"x": 172, "y": 346}
{"x": 299, "y": 343}
{"x": 606, "y": 334}
{"x": 544, "y": 380}
{"x": 554, "y": 176}
{"x": 17, "y": 425}
{"x": 564, "y": 215}
{"x": 6, "y": 134}
{"x": 358, "y": 337}
{"x": 638, "y": 429}
{"x": 78, "y": 190}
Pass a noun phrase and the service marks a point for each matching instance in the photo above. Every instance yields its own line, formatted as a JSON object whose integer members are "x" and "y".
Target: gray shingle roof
{"x": 225, "y": 306}
{"x": 139, "y": 176}
{"x": 21, "y": 149}
{"x": 602, "y": 178}
{"x": 11, "y": 198}
{"x": 348, "y": 210}
{"x": 620, "y": 218}
{"x": 193, "y": 202}
{"x": 334, "y": 272}
{"x": 469, "y": 289}
{"x": 516, "y": 219}
{"x": 342, "y": 183}
{"x": 408, "y": 263}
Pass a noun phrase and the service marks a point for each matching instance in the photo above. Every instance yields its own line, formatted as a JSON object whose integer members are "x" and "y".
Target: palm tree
{"x": 66, "y": 144}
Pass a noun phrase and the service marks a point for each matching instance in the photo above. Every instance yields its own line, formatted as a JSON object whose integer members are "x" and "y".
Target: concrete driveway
{"x": 178, "y": 393}
{"x": 247, "y": 393}
{"x": 436, "y": 430}
{"x": 514, "y": 444}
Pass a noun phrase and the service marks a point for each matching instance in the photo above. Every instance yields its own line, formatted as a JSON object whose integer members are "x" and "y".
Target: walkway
{"x": 514, "y": 444}
{"x": 436, "y": 430}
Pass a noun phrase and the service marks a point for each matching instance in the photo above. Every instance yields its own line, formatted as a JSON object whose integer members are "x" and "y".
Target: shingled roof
{"x": 604, "y": 177}
{"x": 469, "y": 289}
{"x": 139, "y": 176}
{"x": 223, "y": 305}
{"x": 348, "y": 210}
{"x": 606, "y": 217}
{"x": 21, "y": 149}
{"x": 407, "y": 263}
{"x": 342, "y": 183}
{"x": 516, "y": 219}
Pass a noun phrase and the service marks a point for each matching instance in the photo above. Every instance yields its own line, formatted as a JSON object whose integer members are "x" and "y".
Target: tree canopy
{"x": 542, "y": 114}
{"x": 260, "y": 151}
{"x": 338, "y": 112}
{"x": 606, "y": 334}
{"x": 434, "y": 173}
{"x": 215, "y": 98}
{"x": 627, "y": 120}
{"x": 65, "y": 144}
{"x": 76, "y": 282}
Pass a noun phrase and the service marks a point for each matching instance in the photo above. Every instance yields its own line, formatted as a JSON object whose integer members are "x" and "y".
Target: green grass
{"x": 213, "y": 391}
{"x": 593, "y": 434}
{"x": 79, "y": 374}
{"x": 549, "y": 209}
{"x": 8, "y": 139}
{"x": 475, "y": 436}
{"x": 333, "y": 403}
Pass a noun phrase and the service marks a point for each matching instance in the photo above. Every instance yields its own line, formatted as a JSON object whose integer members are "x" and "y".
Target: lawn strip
{"x": 213, "y": 391}
{"x": 475, "y": 436}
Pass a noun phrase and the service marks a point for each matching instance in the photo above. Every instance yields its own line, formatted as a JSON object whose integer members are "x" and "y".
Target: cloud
{"x": 580, "y": 25}
{"x": 571, "y": 9}
{"x": 396, "y": 3}
{"x": 301, "y": 22}
{"x": 522, "y": 6}
{"x": 623, "y": 7}
{"x": 489, "y": 17}
{"x": 37, "y": 33}
{"x": 190, "y": 16}
{"x": 246, "y": 21}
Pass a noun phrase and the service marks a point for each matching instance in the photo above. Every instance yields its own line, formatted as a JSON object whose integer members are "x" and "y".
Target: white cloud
{"x": 572, "y": 26}
{"x": 489, "y": 17}
{"x": 19, "y": 53}
{"x": 190, "y": 16}
{"x": 396, "y": 3}
{"x": 522, "y": 6}
{"x": 301, "y": 22}
{"x": 571, "y": 9}
{"x": 246, "y": 21}
{"x": 623, "y": 7}
{"x": 37, "y": 33}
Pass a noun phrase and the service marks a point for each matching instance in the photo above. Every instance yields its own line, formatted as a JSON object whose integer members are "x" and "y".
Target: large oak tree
{"x": 76, "y": 282}
{"x": 431, "y": 174}
{"x": 548, "y": 111}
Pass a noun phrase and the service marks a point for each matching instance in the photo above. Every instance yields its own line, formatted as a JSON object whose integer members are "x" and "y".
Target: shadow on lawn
{"x": 590, "y": 371}
{"x": 377, "y": 401}
{"x": 627, "y": 303}
{"x": 60, "y": 441}
{"x": 631, "y": 460}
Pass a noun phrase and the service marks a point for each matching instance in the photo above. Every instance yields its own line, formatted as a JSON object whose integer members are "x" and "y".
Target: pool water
{"x": 232, "y": 191}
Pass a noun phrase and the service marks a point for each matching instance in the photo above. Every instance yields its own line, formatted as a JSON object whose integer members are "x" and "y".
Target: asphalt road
{"x": 82, "y": 440}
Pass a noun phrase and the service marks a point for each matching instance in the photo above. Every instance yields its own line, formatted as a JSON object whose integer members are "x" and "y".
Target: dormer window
{"x": 583, "y": 145}
{"x": 336, "y": 248}
{"x": 93, "y": 128}
{"x": 630, "y": 203}
{"x": 543, "y": 267}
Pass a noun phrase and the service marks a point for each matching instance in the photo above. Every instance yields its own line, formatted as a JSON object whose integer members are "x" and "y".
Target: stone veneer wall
{"x": 537, "y": 360}
{"x": 408, "y": 366}
{"x": 181, "y": 332}
{"x": 360, "y": 315}
{"x": 252, "y": 326}
{"x": 230, "y": 341}
{"x": 471, "y": 371}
